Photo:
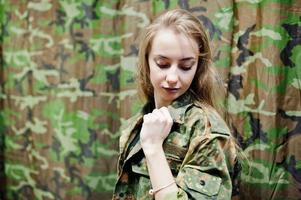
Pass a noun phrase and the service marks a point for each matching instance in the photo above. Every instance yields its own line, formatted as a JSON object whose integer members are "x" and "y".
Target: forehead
{"x": 172, "y": 44}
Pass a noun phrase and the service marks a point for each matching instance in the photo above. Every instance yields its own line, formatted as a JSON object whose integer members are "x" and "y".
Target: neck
{"x": 159, "y": 104}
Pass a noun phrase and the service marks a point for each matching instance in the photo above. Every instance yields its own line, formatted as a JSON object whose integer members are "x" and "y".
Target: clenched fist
{"x": 155, "y": 128}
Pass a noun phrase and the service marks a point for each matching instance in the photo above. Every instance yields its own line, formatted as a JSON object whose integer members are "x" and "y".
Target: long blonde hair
{"x": 180, "y": 21}
{"x": 206, "y": 86}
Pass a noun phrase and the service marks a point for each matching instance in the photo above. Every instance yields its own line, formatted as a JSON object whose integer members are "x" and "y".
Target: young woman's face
{"x": 173, "y": 61}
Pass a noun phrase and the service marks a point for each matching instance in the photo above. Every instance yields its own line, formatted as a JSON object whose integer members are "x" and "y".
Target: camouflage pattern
{"x": 67, "y": 71}
{"x": 198, "y": 149}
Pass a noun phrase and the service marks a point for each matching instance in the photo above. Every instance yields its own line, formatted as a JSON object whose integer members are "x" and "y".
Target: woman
{"x": 177, "y": 147}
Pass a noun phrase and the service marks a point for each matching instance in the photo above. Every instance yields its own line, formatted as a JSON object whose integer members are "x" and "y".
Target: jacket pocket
{"x": 201, "y": 184}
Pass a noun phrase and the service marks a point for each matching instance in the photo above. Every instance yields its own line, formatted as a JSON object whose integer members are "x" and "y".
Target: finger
{"x": 146, "y": 117}
{"x": 165, "y": 112}
{"x": 168, "y": 118}
{"x": 156, "y": 111}
{"x": 158, "y": 115}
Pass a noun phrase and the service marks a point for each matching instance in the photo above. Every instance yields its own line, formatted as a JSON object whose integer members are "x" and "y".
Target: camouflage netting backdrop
{"x": 67, "y": 83}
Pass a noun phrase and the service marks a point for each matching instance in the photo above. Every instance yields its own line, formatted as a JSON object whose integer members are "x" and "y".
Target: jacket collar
{"x": 178, "y": 108}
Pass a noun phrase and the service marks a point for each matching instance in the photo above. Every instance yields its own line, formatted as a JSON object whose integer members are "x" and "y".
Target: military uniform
{"x": 199, "y": 150}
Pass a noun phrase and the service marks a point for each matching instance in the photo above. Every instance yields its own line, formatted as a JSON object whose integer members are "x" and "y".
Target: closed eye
{"x": 186, "y": 68}
{"x": 186, "y": 65}
{"x": 163, "y": 66}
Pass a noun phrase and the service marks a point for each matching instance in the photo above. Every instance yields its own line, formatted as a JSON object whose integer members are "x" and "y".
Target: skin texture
{"x": 173, "y": 63}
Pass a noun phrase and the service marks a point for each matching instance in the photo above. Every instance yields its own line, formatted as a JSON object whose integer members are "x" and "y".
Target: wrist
{"x": 152, "y": 150}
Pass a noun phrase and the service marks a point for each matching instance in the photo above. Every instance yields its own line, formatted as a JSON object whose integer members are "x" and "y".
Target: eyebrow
{"x": 182, "y": 59}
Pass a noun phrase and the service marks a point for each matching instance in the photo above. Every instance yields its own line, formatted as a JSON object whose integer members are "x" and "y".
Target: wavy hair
{"x": 206, "y": 85}
{"x": 183, "y": 22}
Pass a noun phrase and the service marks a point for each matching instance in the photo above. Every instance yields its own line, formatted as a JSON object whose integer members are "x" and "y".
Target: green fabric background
{"x": 67, "y": 70}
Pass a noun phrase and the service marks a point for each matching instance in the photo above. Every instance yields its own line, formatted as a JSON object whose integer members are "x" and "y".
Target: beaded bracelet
{"x": 153, "y": 192}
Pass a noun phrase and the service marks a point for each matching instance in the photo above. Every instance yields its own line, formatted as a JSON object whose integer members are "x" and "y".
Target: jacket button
{"x": 202, "y": 182}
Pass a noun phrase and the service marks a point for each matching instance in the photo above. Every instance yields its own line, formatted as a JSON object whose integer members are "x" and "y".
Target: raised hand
{"x": 155, "y": 128}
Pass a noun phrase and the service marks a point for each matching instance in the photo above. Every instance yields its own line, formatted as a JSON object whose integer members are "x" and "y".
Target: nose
{"x": 172, "y": 77}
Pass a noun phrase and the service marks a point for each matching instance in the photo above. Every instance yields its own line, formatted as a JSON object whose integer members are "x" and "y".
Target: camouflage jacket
{"x": 199, "y": 150}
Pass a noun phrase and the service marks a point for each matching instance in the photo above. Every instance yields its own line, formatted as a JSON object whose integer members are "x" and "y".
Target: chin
{"x": 171, "y": 99}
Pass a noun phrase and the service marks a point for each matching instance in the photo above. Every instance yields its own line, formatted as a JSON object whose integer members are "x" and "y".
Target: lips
{"x": 172, "y": 90}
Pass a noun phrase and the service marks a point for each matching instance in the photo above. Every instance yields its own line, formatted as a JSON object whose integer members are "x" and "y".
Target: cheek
{"x": 155, "y": 74}
{"x": 152, "y": 75}
{"x": 189, "y": 79}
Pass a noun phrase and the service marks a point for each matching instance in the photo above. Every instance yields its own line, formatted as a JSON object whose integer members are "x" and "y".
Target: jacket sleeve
{"x": 204, "y": 173}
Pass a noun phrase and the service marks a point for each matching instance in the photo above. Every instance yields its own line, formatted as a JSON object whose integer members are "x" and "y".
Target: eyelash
{"x": 186, "y": 68}
{"x": 166, "y": 66}
{"x": 162, "y": 66}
